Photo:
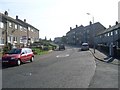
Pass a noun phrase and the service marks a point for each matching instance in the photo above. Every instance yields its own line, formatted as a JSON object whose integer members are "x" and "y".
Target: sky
{"x": 55, "y": 17}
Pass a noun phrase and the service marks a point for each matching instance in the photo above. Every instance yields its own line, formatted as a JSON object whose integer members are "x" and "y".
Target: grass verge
{"x": 38, "y": 51}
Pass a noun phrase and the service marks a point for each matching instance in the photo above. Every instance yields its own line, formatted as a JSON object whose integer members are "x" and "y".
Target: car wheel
{"x": 32, "y": 59}
{"x": 18, "y": 62}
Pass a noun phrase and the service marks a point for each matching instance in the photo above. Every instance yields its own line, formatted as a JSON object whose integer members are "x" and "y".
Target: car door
{"x": 23, "y": 55}
{"x": 28, "y": 54}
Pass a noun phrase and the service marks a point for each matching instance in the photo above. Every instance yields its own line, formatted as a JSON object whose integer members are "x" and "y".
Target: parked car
{"x": 18, "y": 56}
{"x": 84, "y": 47}
{"x": 61, "y": 47}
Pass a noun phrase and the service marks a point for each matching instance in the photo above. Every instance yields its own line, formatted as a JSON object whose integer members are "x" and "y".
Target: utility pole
{"x": 6, "y": 29}
{"x": 6, "y": 33}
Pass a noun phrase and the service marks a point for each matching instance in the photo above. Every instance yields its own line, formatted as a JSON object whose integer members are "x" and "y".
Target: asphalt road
{"x": 58, "y": 69}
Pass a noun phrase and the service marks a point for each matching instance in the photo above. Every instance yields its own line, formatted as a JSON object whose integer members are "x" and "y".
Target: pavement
{"x": 102, "y": 57}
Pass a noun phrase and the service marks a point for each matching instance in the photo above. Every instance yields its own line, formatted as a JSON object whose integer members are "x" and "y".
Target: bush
{"x": 6, "y": 48}
{"x": 46, "y": 48}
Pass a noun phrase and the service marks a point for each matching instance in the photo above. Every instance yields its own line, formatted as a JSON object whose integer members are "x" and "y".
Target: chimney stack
{"x": 25, "y": 20}
{"x": 90, "y": 23}
{"x": 16, "y": 16}
{"x": 116, "y": 22}
{"x": 109, "y": 26}
{"x": 6, "y": 13}
{"x": 76, "y": 26}
{"x": 70, "y": 28}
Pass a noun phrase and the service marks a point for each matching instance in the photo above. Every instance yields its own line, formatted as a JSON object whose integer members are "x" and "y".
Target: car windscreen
{"x": 14, "y": 51}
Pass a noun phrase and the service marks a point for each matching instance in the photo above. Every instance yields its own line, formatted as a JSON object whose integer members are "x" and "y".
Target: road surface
{"x": 70, "y": 68}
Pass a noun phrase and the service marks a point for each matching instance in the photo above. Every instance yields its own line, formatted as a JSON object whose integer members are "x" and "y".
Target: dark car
{"x": 17, "y": 56}
{"x": 61, "y": 47}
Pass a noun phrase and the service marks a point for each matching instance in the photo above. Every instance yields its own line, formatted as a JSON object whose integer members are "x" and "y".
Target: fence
{"x": 105, "y": 50}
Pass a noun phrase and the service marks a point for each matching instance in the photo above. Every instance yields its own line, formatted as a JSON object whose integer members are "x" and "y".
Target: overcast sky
{"x": 55, "y": 17}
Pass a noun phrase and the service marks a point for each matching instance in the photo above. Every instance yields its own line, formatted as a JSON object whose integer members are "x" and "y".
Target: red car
{"x": 18, "y": 56}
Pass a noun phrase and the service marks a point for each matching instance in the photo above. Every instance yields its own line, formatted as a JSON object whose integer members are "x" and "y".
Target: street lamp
{"x": 93, "y": 31}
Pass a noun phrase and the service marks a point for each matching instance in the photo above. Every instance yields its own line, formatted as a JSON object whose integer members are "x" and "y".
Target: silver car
{"x": 84, "y": 47}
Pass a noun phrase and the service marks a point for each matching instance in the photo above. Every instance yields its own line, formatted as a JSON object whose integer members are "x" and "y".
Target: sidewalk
{"x": 102, "y": 57}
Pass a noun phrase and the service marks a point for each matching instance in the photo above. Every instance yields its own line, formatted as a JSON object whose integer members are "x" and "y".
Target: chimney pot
{"x": 109, "y": 26}
{"x": 90, "y": 23}
{"x": 76, "y": 26}
{"x": 16, "y": 16}
{"x": 116, "y": 22}
{"x": 6, "y": 13}
{"x": 25, "y": 20}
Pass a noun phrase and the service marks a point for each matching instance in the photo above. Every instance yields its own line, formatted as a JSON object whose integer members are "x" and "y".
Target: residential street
{"x": 60, "y": 44}
{"x": 59, "y": 69}
{"x": 62, "y": 69}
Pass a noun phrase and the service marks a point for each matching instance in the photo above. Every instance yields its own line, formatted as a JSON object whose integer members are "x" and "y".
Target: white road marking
{"x": 62, "y": 55}
{"x": 67, "y": 55}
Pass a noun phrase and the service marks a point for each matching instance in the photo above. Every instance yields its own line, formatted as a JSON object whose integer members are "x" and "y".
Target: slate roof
{"x": 17, "y": 21}
{"x": 109, "y": 29}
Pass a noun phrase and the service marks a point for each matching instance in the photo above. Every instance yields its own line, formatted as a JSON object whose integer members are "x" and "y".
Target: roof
{"x": 10, "y": 19}
{"x": 109, "y": 29}
{"x": 18, "y": 21}
{"x": 26, "y": 24}
{"x": 94, "y": 25}
{"x": 75, "y": 29}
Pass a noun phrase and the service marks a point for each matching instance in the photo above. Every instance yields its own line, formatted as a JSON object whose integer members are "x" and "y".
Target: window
{"x": 21, "y": 28}
{"x": 16, "y": 27}
{"x": 28, "y": 50}
{"x": 1, "y": 25}
{"x": 3, "y": 41}
{"x": 108, "y": 34}
{"x": 87, "y": 31}
{"x": 105, "y": 35}
{"x": 32, "y": 30}
{"x": 25, "y": 29}
{"x": 29, "y": 28}
{"x": 9, "y": 39}
{"x": 111, "y": 33}
{"x": 10, "y": 24}
{"x": 116, "y": 32}
{"x": 24, "y": 51}
{"x": 14, "y": 38}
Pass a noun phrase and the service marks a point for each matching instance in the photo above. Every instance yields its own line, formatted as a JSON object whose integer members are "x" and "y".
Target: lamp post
{"x": 93, "y": 31}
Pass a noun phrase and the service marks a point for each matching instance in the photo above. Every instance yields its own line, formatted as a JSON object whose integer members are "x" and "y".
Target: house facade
{"x": 109, "y": 35}
{"x": 57, "y": 40}
{"x": 16, "y": 31}
{"x": 74, "y": 35}
{"x": 90, "y": 31}
{"x": 82, "y": 34}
